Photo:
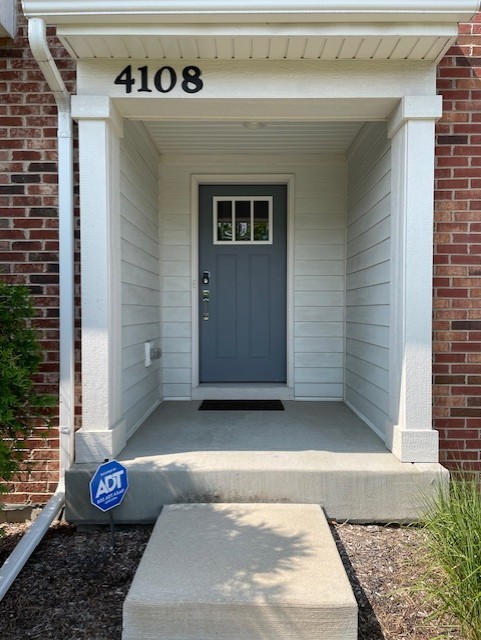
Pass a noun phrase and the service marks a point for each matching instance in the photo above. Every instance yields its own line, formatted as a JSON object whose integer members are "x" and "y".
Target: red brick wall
{"x": 28, "y": 222}
{"x": 457, "y": 254}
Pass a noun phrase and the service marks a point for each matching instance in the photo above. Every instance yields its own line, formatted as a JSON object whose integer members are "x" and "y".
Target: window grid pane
{"x": 224, "y": 220}
{"x": 242, "y": 220}
{"x": 261, "y": 220}
{"x": 243, "y": 213}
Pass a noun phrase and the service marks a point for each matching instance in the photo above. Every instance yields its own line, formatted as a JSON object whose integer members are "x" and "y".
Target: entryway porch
{"x": 312, "y": 452}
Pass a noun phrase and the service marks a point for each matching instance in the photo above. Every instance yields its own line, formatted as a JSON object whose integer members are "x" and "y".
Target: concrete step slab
{"x": 357, "y": 488}
{"x": 240, "y": 572}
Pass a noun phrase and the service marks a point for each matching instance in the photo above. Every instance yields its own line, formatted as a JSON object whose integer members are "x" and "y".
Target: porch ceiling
{"x": 233, "y": 137}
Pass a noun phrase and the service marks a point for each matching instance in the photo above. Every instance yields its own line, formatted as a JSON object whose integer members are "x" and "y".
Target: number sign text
{"x": 163, "y": 80}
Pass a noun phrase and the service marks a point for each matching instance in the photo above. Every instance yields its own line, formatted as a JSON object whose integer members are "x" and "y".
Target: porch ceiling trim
{"x": 255, "y": 29}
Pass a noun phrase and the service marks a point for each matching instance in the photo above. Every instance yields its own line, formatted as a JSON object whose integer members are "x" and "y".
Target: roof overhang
{"x": 255, "y": 29}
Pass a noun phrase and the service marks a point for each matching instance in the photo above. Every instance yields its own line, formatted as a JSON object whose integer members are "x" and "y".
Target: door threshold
{"x": 245, "y": 391}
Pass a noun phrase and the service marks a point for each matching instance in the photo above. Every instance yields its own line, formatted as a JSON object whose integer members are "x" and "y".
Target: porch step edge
{"x": 355, "y": 494}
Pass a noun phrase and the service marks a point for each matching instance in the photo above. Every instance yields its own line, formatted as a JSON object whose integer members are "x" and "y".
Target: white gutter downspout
{"x": 14, "y": 563}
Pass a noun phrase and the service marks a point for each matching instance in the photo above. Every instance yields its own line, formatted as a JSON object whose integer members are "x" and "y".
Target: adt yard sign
{"x": 108, "y": 485}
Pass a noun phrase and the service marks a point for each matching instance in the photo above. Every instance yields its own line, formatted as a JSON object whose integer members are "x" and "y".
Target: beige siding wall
{"x": 318, "y": 230}
{"x": 367, "y": 274}
{"x": 141, "y": 385}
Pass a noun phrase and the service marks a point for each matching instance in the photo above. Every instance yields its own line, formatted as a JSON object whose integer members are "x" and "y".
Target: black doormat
{"x": 241, "y": 405}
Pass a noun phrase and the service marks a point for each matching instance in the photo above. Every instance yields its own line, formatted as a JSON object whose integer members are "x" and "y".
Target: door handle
{"x": 205, "y": 300}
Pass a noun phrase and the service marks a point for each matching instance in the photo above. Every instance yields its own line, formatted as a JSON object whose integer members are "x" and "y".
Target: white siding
{"x": 319, "y": 254}
{"x": 318, "y": 227}
{"x": 367, "y": 274}
{"x": 141, "y": 386}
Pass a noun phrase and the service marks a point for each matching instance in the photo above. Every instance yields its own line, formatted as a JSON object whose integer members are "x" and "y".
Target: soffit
{"x": 246, "y": 43}
{"x": 189, "y": 137}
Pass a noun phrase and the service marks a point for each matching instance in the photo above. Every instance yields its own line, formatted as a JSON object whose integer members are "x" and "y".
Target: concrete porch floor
{"x": 313, "y": 452}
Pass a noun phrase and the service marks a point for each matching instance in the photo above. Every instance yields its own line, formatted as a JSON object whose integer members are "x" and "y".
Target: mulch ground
{"x": 73, "y": 586}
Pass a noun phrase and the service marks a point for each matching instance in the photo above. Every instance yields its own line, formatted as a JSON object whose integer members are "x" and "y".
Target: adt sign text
{"x": 108, "y": 485}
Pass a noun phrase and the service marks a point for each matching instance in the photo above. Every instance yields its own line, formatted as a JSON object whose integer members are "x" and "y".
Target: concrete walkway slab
{"x": 240, "y": 572}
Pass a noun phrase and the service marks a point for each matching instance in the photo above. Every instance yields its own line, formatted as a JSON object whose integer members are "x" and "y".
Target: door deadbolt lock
{"x": 206, "y": 277}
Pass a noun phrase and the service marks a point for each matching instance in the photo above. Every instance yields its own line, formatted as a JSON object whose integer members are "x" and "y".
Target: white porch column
{"x": 409, "y": 433}
{"x": 100, "y": 126}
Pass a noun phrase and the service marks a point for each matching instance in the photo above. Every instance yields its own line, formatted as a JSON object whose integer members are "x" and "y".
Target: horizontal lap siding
{"x": 319, "y": 233}
{"x": 140, "y": 274}
{"x": 175, "y": 207}
{"x": 319, "y": 253}
{"x": 367, "y": 275}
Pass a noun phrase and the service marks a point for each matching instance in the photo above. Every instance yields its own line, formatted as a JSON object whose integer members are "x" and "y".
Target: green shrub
{"x": 453, "y": 529}
{"x": 21, "y": 408}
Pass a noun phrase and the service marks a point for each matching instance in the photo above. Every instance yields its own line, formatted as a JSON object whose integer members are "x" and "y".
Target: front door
{"x": 242, "y": 290}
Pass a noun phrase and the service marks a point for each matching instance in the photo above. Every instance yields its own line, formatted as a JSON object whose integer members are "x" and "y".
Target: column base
{"x": 97, "y": 446}
{"x": 413, "y": 445}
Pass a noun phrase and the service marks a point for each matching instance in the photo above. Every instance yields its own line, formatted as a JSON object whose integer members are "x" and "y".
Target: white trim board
{"x": 243, "y": 392}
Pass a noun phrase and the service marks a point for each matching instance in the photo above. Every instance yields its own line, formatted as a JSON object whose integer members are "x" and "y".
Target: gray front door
{"x": 242, "y": 290}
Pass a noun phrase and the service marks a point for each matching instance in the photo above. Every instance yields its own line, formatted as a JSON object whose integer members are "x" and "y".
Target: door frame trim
{"x": 197, "y": 180}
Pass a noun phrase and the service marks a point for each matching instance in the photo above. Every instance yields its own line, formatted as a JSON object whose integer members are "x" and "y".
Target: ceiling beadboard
{"x": 257, "y": 48}
{"x": 232, "y": 137}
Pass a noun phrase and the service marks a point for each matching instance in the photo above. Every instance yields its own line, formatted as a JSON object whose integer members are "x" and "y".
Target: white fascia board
{"x": 95, "y": 11}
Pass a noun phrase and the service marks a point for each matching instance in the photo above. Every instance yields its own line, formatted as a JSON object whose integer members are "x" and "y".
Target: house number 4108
{"x": 163, "y": 80}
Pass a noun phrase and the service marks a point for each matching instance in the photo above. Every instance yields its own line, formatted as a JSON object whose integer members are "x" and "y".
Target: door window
{"x": 242, "y": 220}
